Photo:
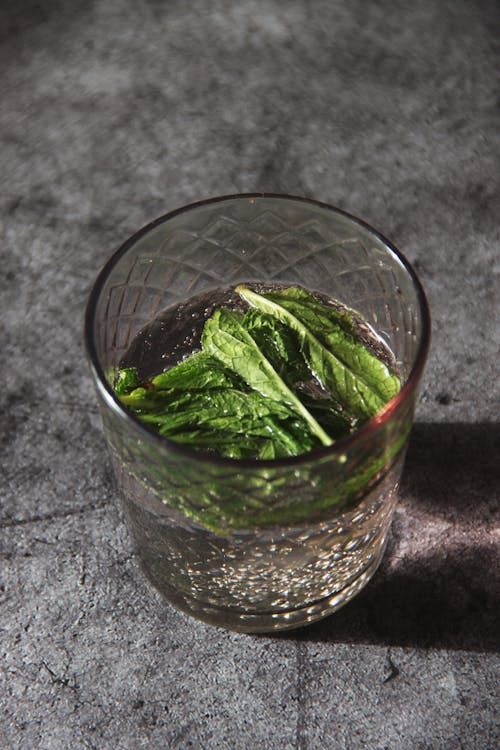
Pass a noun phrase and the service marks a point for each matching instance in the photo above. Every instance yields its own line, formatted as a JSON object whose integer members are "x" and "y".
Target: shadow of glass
{"x": 453, "y": 469}
{"x": 442, "y": 601}
{"x": 450, "y": 597}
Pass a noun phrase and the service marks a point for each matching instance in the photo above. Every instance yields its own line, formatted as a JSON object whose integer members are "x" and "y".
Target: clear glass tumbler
{"x": 209, "y": 531}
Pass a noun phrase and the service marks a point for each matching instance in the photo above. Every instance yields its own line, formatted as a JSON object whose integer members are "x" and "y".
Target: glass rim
{"x": 343, "y": 444}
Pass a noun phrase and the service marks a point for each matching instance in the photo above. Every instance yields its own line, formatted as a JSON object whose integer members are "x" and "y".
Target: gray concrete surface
{"x": 115, "y": 111}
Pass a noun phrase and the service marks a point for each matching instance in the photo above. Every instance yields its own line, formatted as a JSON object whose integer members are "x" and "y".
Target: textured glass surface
{"x": 256, "y": 575}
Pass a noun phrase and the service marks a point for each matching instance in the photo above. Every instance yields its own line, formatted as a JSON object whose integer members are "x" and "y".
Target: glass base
{"x": 264, "y": 622}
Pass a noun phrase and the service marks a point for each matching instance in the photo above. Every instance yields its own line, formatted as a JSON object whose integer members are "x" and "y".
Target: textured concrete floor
{"x": 115, "y": 111}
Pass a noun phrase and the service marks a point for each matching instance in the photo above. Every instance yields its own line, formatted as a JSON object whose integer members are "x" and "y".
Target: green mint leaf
{"x": 335, "y": 330}
{"x": 230, "y": 421}
{"x": 279, "y": 344}
{"x": 126, "y": 380}
{"x": 225, "y": 338}
{"x": 199, "y": 370}
{"x": 328, "y": 413}
{"x": 345, "y": 382}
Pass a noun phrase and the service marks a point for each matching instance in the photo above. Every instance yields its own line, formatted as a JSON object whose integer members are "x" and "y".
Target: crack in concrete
{"x": 10, "y": 522}
{"x": 391, "y": 669}
{"x": 64, "y": 681}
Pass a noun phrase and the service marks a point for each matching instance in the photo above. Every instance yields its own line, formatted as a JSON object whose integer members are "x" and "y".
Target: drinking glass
{"x": 258, "y": 545}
